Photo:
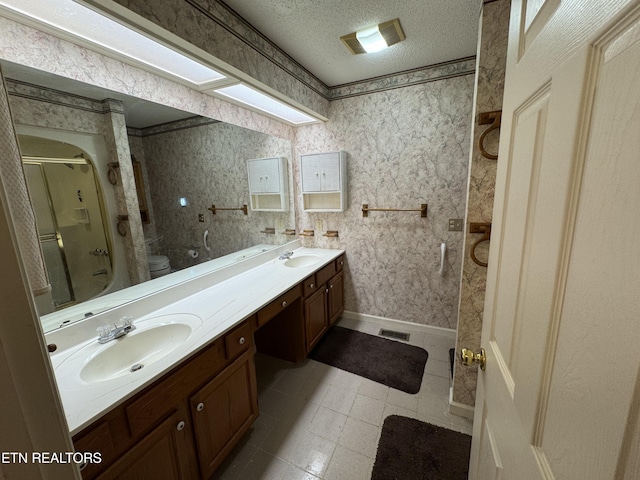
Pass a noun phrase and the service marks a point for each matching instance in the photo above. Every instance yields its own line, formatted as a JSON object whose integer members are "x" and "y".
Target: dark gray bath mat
{"x": 389, "y": 362}
{"x": 411, "y": 449}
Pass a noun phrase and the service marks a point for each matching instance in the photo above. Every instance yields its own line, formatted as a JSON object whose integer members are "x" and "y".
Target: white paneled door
{"x": 560, "y": 395}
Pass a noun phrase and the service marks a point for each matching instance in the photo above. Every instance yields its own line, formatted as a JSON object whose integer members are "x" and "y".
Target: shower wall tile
{"x": 491, "y": 60}
{"x": 404, "y": 147}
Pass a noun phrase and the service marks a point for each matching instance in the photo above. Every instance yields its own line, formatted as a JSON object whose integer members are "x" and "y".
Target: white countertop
{"x": 221, "y": 299}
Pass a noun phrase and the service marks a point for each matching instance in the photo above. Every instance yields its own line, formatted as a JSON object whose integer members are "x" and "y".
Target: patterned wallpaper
{"x": 205, "y": 161}
{"x": 404, "y": 147}
{"x": 492, "y": 55}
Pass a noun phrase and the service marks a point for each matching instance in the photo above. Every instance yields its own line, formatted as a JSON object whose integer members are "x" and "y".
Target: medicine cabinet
{"x": 268, "y": 187}
{"x": 324, "y": 181}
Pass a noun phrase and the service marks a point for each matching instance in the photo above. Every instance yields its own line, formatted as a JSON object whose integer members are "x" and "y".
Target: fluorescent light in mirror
{"x": 89, "y": 26}
{"x": 253, "y": 98}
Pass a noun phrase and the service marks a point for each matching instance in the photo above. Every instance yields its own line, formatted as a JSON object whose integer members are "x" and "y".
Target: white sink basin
{"x": 152, "y": 340}
{"x": 302, "y": 261}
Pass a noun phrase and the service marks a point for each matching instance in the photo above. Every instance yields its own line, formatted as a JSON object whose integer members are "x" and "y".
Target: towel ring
{"x": 480, "y": 228}
{"x": 485, "y": 119}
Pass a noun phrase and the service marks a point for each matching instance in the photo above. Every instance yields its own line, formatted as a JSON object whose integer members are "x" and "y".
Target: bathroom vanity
{"x": 180, "y": 415}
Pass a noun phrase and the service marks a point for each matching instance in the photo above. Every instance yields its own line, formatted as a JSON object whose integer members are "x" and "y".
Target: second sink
{"x": 302, "y": 260}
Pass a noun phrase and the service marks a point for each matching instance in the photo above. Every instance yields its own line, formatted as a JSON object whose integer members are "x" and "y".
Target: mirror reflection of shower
{"x": 67, "y": 200}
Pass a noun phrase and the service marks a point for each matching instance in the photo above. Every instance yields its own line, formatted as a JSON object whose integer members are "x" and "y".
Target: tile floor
{"x": 319, "y": 422}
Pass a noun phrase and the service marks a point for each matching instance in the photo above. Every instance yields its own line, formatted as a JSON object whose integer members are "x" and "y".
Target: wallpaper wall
{"x": 492, "y": 53}
{"x": 405, "y": 147}
{"x": 205, "y": 161}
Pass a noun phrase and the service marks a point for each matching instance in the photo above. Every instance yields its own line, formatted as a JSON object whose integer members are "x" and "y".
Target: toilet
{"x": 158, "y": 265}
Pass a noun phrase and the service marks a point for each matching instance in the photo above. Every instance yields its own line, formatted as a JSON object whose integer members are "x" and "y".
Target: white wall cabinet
{"x": 268, "y": 186}
{"x": 324, "y": 181}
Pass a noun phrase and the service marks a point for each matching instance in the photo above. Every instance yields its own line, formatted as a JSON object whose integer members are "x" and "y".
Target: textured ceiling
{"x": 309, "y": 31}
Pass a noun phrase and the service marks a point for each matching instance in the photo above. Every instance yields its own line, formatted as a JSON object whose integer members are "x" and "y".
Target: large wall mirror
{"x": 183, "y": 164}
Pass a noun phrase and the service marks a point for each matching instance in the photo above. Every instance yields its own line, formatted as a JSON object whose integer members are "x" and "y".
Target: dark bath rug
{"x": 413, "y": 450}
{"x": 389, "y": 362}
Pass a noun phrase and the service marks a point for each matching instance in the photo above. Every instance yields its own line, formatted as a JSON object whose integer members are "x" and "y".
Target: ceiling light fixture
{"x": 92, "y": 29}
{"x": 374, "y": 38}
{"x": 264, "y": 103}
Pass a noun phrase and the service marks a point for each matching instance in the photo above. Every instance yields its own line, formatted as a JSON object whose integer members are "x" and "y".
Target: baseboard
{"x": 447, "y": 332}
{"x": 460, "y": 409}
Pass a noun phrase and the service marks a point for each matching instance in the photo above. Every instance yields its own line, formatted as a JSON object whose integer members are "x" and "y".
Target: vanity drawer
{"x": 238, "y": 340}
{"x": 158, "y": 402}
{"x": 309, "y": 285}
{"x": 325, "y": 273}
{"x": 279, "y": 304}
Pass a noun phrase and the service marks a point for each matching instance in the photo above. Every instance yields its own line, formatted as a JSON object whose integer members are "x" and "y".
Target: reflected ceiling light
{"x": 90, "y": 28}
{"x": 374, "y": 38}
{"x": 258, "y": 100}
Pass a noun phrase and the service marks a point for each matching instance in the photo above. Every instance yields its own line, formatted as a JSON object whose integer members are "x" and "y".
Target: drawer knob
{"x": 242, "y": 340}
{"x": 180, "y": 426}
{"x": 326, "y": 290}
{"x": 200, "y": 407}
{"x": 330, "y": 286}
{"x": 284, "y": 304}
{"x": 341, "y": 263}
{"x": 312, "y": 285}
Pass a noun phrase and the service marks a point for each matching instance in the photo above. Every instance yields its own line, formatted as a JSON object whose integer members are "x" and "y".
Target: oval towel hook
{"x": 480, "y": 228}
{"x": 484, "y": 119}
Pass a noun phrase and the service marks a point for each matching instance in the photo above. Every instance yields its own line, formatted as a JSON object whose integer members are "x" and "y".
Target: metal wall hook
{"x": 112, "y": 173}
{"x": 484, "y": 228}
{"x": 494, "y": 118}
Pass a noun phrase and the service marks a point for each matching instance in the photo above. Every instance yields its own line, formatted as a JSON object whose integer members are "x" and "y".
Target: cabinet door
{"x": 336, "y": 297}
{"x": 315, "y": 316}
{"x": 223, "y": 410}
{"x": 264, "y": 175}
{"x": 329, "y": 172}
{"x": 156, "y": 457}
{"x": 310, "y": 172}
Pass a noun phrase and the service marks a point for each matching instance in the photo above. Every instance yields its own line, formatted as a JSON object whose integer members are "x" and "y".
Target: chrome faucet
{"x": 106, "y": 333}
{"x": 285, "y": 255}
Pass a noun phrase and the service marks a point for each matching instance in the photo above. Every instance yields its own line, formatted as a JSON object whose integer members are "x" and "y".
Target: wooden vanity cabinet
{"x": 161, "y": 433}
{"x": 324, "y": 302}
{"x": 223, "y": 410}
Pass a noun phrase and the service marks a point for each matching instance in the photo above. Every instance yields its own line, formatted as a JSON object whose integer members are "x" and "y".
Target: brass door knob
{"x": 469, "y": 358}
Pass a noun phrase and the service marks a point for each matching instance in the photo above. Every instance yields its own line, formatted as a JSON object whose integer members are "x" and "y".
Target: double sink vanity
{"x": 172, "y": 396}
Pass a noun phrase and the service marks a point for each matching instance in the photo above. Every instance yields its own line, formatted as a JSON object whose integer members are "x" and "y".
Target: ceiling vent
{"x": 390, "y": 32}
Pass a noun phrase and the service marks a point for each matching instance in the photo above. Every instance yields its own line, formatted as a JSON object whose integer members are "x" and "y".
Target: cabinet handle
{"x": 312, "y": 285}
{"x": 180, "y": 426}
{"x": 330, "y": 286}
{"x": 284, "y": 304}
{"x": 326, "y": 290}
{"x": 242, "y": 340}
{"x": 342, "y": 263}
{"x": 200, "y": 407}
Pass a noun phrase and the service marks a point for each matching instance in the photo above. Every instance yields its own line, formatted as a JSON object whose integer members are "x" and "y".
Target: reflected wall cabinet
{"x": 324, "y": 181}
{"x": 268, "y": 187}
